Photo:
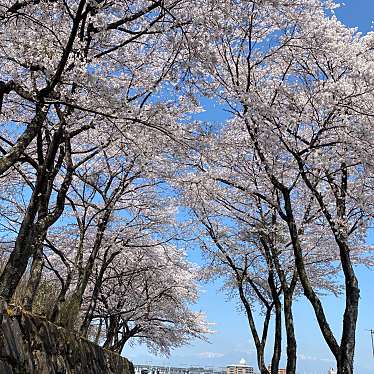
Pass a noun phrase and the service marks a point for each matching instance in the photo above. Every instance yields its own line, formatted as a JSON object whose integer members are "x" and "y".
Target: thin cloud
{"x": 303, "y": 357}
{"x": 210, "y": 354}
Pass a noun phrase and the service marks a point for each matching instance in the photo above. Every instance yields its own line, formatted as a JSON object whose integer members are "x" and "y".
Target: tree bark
{"x": 304, "y": 279}
{"x": 9, "y": 159}
{"x": 95, "y": 293}
{"x": 84, "y": 276}
{"x": 290, "y": 333}
{"x": 30, "y": 231}
{"x": 275, "y": 294}
{"x": 259, "y": 344}
{"x": 35, "y": 277}
{"x": 345, "y": 353}
{"x": 19, "y": 257}
{"x": 61, "y": 299}
{"x": 288, "y": 291}
{"x": 277, "y": 336}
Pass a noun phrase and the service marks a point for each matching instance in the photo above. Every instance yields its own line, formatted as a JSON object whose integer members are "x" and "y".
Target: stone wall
{"x": 32, "y": 345}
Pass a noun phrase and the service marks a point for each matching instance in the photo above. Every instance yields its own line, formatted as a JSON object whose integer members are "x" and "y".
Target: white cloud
{"x": 210, "y": 354}
{"x": 301, "y": 356}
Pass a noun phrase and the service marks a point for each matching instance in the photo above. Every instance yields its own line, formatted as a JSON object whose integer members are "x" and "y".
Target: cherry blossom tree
{"x": 297, "y": 84}
{"x": 73, "y": 69}
{"x": 91, "y": 57}
{"x": 145, "y": 296}
{"x": 246, "y": 241}
{"x": 98, "y": 104}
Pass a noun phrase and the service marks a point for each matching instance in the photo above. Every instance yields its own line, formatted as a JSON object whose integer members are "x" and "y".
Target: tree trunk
{"x": 345, "y": 364}
{"x": 111, "y": 332}
{"x": 276, "y": 301}
{"x": 261, "y": 361}
{"x": 18, "y": 260}
{"x": 304, "y": 279}
{"x": 35, "y": 273}
{"x": 277, "y": 337}
{"x": 25, "y": 245}
{"x": 85, "y": 275}
{"x": 352, "y": 297}
{"x": 288, "y": 291}
{"x": 13, "y": 155}
{"x": 95, "y": 293}
{"x": 61, "y": 299}
{"x": 259, "y": 344}
{"x": 290, "y": 332}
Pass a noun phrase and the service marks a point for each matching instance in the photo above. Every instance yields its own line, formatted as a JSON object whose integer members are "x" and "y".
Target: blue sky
{"x": 232, "y": 340}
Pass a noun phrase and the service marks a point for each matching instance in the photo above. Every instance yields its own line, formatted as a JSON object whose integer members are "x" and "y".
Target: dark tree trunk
{"x": 259, "y": 344}
{"x": 344, "y": 353}
{"x": 84, "y": 276}
{"x": 352, "y": 297}
{"x": 277, "y": 336}
{"x": 275, "y": 294}
{"x": 35, "y": 278}
{"x": 339, "y": 228}
{"x": 95, "y": 293}
{"x": 304, "y": 279}
{"x": 36, "y": 272}
{"x": 31, "y": 231}
{"x": 14, "y": 154}
{"x": 111, "y": 332}
{"x": 290, "y": 333}
{"x": 288, "y": 291}
{"x": 61, "y": 299}
{"x": 19, "y": 257}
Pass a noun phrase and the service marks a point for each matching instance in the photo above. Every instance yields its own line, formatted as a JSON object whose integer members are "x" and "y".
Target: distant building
{"x": 219, "y": 371}
{"x": 331, "y": 371}
{"x": 152, "y": 369}
{"x": 241, "y": 368}
{"x": 199, "y": 370}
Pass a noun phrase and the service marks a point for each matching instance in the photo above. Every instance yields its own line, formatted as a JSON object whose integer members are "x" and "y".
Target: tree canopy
{"x": 108, "y": 176}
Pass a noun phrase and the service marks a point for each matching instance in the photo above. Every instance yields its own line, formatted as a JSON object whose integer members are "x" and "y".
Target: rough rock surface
{"x": 32, "y": 345}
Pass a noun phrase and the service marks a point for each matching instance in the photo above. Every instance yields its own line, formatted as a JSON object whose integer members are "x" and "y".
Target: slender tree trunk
{"x": 277, "y": 336}
{"x": 288, "y": 291}
{"x": 61, "y": 299}
{"x": 352, "y": 291}
{"x": 25, "y": 245}
{"x": 13, "y": 155}
{"x": 304, "y": 279}
{"x": 344, "y": 353}
{"x": 276, "y": 301}
{"x": 18, "y": 260}
{"x": 34, "y": 280}
{"x": 290, "y": 333}
{"x": 261, "y": 361}
{"x": 98, "y": 333}
{"x": 260, "y": 344}
{"x": 339, "y": 228}
{"x": 91, "y": 308}
{"x": 352, "y": 297}
{"x": 111, "y": 332}
{"x": 95, "y": 293}
{"x": 35, "y": 273}
{"x": 76, "y": 299}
